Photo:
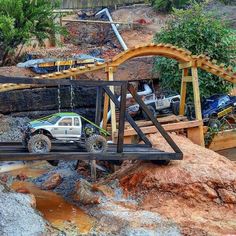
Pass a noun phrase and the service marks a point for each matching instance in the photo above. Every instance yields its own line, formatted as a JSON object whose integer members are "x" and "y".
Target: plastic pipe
{"x": 106, "y": 11}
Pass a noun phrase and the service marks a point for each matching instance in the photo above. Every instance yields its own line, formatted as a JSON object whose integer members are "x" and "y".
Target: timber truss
{"x": 118, "y": 151}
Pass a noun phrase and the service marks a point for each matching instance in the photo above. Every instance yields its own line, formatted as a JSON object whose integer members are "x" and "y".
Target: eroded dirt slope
{"x": 198, "y": 193}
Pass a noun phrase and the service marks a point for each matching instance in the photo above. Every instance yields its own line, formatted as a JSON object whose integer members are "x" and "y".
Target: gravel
{"x": 12, "y": 133}
{"x": 17, "y": 217}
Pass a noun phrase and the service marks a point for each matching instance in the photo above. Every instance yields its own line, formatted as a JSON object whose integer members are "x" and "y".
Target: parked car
{"x": 67, "y": 127}
{"x": 165, "y": 102}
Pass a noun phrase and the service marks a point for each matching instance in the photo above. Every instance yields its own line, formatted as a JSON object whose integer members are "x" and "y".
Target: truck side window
{"x": 77, "y": 121}
{"x": 65, "y": 122}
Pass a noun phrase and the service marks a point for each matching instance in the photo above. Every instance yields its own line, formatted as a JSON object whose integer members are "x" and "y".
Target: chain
{"x": 71, "y": 93}
{"x": 59, "y": 91}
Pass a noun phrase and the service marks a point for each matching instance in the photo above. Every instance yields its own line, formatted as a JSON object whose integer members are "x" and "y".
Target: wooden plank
{"x": 158, "y": 155}
{"x": 223, "y": 140}
{"x": 197, "y": 101}
{"x": 99, "y": 22}
{"x": 187, "y": 79}
{"x": 162, "y": 120}
{"x": 167, "y": 127}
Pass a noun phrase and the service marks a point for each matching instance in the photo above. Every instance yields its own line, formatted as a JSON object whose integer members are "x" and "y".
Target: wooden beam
{"x": 183, "y": 92}
{"x": 112, "y": 105}
{"x": 197, "y": 101}
{"x": 167, "y": 127}
{"x": 187, "y": 79}
{"x": 100, "y": 22}
{"x": 105, "y": 111}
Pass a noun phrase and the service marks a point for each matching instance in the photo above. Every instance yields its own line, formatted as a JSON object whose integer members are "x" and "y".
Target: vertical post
{"x": 112, "y": 105}
{"x": 183, "y": 92}
{"x": 105, "y": 111}
{"x": 122, "y": 118}
{"x": 197, "y": 100}
{"x": 97, "y": 122}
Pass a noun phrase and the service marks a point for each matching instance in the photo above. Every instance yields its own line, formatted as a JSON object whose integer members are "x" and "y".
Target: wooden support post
{"x": 97, "y": 122}
{"x": 122, "y": 118}
{"x": 112, "y": 105}
{"x": 183, "y": 92}
{"x": 197, "y": 101}
{"x": 105, "y": 111}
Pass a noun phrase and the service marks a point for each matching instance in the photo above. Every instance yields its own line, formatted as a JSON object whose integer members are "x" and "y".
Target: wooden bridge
{"x": 188, "y": 63}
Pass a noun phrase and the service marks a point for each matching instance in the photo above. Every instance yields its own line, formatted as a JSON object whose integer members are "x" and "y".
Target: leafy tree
{"x": 24, "y": 20}
{"x": 201, "y": 33}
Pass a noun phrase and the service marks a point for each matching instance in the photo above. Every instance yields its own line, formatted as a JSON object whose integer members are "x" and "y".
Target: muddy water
{"x": 54, "y": 208}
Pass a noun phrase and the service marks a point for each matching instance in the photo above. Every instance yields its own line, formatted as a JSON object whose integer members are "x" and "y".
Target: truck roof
{"x": 61, "y": 114}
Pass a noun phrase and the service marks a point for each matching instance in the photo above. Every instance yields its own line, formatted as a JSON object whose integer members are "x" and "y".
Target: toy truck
{"x": 158, "y": 103}
{"x": 66, "y": 127}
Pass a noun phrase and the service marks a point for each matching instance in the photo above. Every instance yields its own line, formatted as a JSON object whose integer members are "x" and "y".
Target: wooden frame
{"x": 119, "y": 151}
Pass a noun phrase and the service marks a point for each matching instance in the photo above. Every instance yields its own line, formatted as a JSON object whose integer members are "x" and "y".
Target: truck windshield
{"x": 53, "y": 120}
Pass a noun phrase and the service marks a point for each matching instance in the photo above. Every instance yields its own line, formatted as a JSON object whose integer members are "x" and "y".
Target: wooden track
{"x": 181, "y": 55}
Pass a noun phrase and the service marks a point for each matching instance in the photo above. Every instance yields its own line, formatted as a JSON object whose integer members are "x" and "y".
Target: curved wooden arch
{"x": 181, "y": 55}
{"x": 165, "y": 50}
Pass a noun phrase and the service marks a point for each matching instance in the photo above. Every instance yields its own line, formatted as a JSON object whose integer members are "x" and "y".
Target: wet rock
{"x": 85, "y": 194}
{"x": 227, "y": 196}
{"x": 52, "y": 182}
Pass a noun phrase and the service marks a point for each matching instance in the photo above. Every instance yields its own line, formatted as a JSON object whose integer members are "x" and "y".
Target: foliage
{"x": 24, "y": 20}
{"x": 167, "y": 5}
{"x": 201, "y": 33}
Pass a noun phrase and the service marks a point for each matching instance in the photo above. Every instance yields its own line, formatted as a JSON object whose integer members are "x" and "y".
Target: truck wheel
{"x": 53, "y": 162}
{"x": 214, "y": 123}
{"x": 175, "y": 108}
{"x": 96, "y": 144}
{"x": 39, "y": 143}
{"x": 152, "y": 110}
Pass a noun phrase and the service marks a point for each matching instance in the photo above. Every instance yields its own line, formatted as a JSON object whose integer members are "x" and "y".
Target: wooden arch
{"x": 165, "y": 50}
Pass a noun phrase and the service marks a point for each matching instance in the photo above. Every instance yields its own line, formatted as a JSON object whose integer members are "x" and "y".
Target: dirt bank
{"x": 198, "y": 193}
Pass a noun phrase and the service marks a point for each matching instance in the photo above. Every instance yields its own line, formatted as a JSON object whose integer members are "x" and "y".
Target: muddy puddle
{"x": 53, "y": 207}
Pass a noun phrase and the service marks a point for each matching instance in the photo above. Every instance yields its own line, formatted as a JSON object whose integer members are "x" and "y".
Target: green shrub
{"x": 201, "y": 33}
{"x": 23, "y": 20}
{"x": 167, "y": 5}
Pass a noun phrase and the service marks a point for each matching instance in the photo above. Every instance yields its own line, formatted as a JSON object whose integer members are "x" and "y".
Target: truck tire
{"x": 96, "y": 144}
{"x": 39, "y": 143}
{"x": 53, "y": 162}
{"x": 152, "y": 110}
{"x": 175, "y": 108}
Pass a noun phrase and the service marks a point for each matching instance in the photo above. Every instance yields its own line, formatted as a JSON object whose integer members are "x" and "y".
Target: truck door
{"x": 63, "y": 128}
{"x": 76, "y": 130}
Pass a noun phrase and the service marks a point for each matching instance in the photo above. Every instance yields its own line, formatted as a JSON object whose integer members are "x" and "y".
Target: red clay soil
{"x": 198, "y": 193}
